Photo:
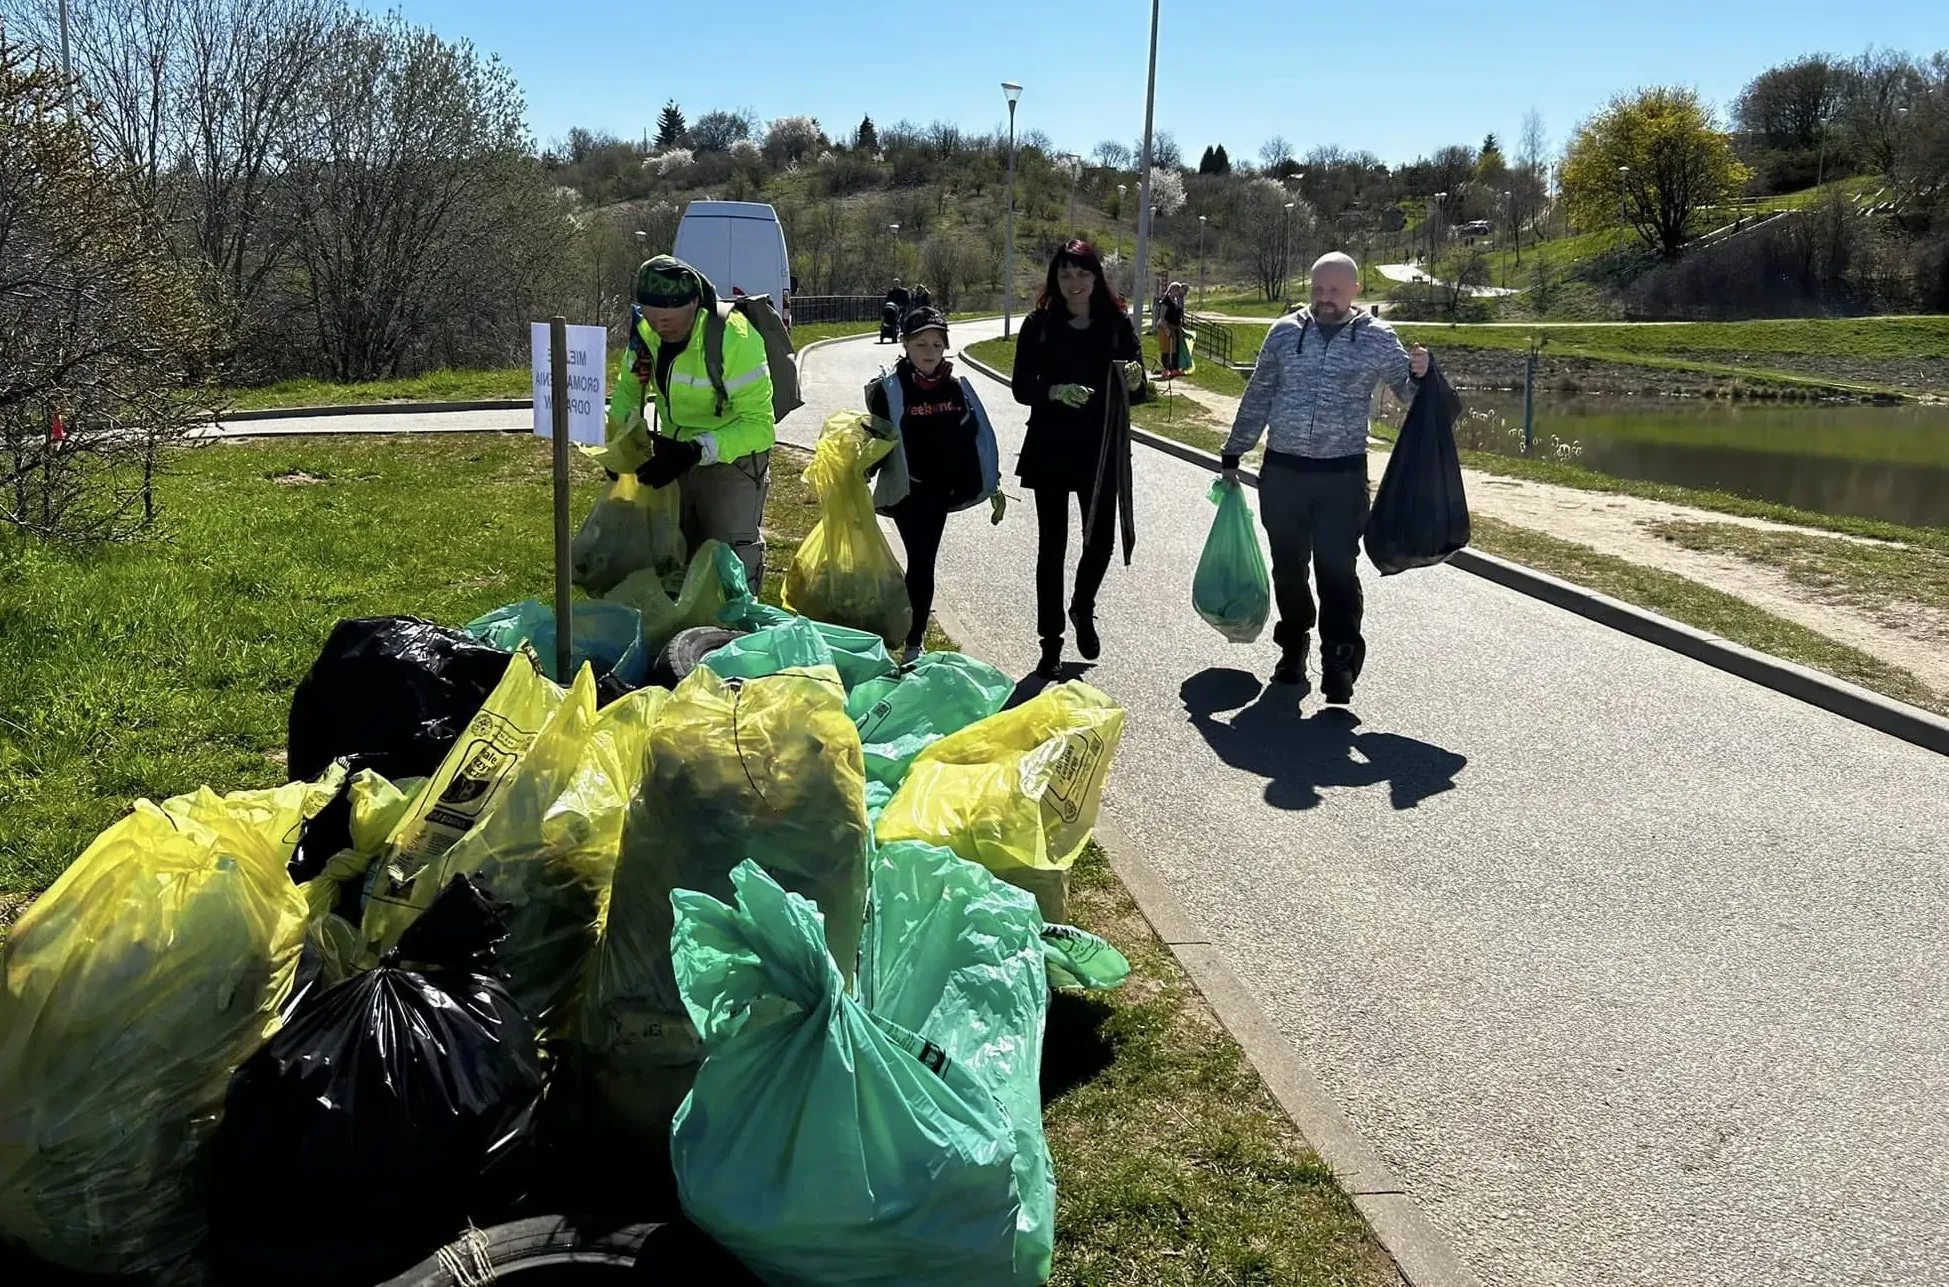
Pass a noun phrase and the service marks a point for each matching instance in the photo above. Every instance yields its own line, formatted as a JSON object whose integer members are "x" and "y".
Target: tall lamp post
{"x": 1143, "y": 177}
{"x": 1014, "y": 93}
{"x": 1286, "y": 255}
{"x": 898, "y": 271}
{"x": 1123, "y": 190}
{"x": 1201, "y": 262}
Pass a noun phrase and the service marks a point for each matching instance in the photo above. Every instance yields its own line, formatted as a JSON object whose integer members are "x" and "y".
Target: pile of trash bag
{"x": 844, "y": 571}
{"x": 1232, "y": 591}
{"x": 602, "y": 634}
{"x": 792, "y": 925}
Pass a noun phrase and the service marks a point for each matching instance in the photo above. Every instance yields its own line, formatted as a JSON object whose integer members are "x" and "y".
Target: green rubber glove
{"x": 997, "y": 508}
{"x": 1071, "y": 395}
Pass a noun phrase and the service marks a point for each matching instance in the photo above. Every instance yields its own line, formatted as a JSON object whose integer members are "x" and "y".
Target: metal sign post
{"x": 564, "y": 615}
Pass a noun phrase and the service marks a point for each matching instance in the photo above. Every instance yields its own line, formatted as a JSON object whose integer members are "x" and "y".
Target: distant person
{"x": 920, "y": 298}
{"x": 718, "y": 455}
{"x": 1314, "y": 387}
{"x": 1070, "y": 348}
{"x": 949, "y": 448}
{"x": 895, "y": 308}
{"x": 1173, "y": 353}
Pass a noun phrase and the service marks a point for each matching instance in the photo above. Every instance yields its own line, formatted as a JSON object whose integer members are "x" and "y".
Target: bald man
{"x": 1314, "y": 389}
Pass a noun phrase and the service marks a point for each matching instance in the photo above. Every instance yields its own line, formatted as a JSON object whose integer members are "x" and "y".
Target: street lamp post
{"x": 1286, "y": 255}
{"x": 1143, "y": 196}
{"x": 1201, "y": 262}
{"x": 1013, "y": 92}
{"x": 1123, "y": 190}
{"x": 894, "y": 228}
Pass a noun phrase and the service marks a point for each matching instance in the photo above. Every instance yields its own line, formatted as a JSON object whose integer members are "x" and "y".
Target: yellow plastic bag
{"x": 768, "y": 769}
{"x": 548, "y": 846}
{"x": 1018, "y": 792}
{"x": 475, "y": 772}
{"x": 633, "y": 529}
{"x": 128, "y": 995}
{"x": 844, "y": 572}
{"x": 706, "y": 589}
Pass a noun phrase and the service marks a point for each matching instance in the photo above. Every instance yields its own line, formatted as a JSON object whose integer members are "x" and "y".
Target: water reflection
{"x": 1889, "y": 463}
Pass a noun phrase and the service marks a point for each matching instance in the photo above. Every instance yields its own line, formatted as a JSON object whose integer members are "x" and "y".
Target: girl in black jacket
{"x": 949, "y": 453}
{"x": 1071, "y": 348}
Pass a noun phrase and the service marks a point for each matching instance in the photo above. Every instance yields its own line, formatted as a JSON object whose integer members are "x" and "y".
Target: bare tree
{"x": 1112, "y": 155}
{"x": 94, "y": 318}
{"x": 410, "y": 134}
{"x": 1275, "y": 152}
{"x": 1529, "y": 185}
{"x": 1876, "y": 99}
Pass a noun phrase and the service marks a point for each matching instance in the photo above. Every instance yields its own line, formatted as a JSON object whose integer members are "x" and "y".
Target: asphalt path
{"x": 1631, "y": 970}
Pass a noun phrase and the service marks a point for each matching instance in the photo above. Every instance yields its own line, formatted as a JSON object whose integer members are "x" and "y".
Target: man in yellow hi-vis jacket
{"x": 714, "y": 443}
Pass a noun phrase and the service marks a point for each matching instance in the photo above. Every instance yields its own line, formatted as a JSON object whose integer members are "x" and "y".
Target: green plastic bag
{"x": 604, "y": 634}
{"x": 858, "y": 654}
{"x": 823, "y": 1145}
{"x": 794, "y": 644}
{"x": 901, "y": 715}
{"x": 1232, "y": 590}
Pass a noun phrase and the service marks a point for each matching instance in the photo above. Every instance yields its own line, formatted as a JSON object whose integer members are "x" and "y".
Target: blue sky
{"x": 1397, "y": 79}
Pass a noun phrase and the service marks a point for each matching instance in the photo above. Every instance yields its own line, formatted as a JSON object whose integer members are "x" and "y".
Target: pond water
{"x": 1885, "y": 462}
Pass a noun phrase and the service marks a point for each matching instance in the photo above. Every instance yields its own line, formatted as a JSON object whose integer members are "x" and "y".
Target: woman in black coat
{"x": 1069, "y": 352}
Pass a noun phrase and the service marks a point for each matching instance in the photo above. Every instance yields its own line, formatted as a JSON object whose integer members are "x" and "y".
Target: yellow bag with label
{"x": 768, "y": 769}
{"x": 844, "y": 572}
{"x": 129, "y": 993}
{"x": 377, "y": 806}
{"x": 635, "y": 528}
{"x": 548, "y": 846}
{"x": 1018, "y": 792}
{"x": 472, "y": 777}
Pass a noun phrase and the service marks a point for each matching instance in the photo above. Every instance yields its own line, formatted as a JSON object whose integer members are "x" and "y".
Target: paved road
{"x": 1416, "y": 273}
{"x": 1632, "y": 971}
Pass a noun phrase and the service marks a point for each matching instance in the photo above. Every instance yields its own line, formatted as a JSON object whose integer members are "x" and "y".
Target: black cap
{"x": 923, "y": 319}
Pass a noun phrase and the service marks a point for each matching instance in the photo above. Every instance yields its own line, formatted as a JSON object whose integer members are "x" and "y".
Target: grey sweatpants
{"x": 1314, "y": 512}
{"x": 726, "y": 502}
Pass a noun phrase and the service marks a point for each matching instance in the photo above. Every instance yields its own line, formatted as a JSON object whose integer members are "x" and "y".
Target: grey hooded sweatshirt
{"x": 1314, "y": 391}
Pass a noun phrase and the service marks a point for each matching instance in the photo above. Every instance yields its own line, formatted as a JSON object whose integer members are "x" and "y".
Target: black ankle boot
{"x": 1087, "y": 641}
{"x": 1050, "y": 667}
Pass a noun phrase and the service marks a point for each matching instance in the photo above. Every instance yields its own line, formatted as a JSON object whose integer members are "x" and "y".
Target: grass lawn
{"x": 1839, "y": 571}
{"x": 1697, "y": 605}
{"x": 152, "y": 668}
{"x": 447, "y": 386}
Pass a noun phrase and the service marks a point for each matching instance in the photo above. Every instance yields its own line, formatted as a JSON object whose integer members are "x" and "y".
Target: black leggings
{"x": 920, "y": 522}
{"x": 1052, "y": 549}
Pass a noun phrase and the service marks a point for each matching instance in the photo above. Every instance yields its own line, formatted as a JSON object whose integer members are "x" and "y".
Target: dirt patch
{"x": 279, "y": 757}
{"x": 11, "y": 907}
{"x": 298, "y": 478}
{"x": 1911, "y": 638}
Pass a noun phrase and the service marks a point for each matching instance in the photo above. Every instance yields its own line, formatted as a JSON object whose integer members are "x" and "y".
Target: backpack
{"x": 893, "y": 483}
{"x": 780, "y": 356}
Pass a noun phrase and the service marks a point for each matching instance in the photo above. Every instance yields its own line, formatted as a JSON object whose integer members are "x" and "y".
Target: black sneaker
{"x": 1292, "y": 668}
{"x": 1087, "y": 641}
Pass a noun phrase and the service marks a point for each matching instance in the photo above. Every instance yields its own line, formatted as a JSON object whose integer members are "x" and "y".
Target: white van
{"x": 740, "y": 246}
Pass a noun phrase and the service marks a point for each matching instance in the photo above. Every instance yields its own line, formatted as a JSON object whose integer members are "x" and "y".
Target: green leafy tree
{"x": 670, "y": 127}
{"x": 1650, "y": 161}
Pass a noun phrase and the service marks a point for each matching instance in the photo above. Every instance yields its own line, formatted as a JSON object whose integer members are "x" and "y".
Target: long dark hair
{"x": 1104, "y": 302}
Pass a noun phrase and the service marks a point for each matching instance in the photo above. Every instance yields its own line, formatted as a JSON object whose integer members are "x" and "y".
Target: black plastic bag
{"x": 402, "y": 1103}
{"x": 1420, "y": 514}
{"x": 391, "y": 694}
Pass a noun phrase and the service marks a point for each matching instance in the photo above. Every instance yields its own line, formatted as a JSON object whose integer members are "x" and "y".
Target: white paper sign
{"x": 587, "y": 358}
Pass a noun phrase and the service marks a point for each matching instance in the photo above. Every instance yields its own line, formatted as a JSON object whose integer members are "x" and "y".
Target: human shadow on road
{"x": 1034, "y": 685}
{"x": 1271, "y": 736}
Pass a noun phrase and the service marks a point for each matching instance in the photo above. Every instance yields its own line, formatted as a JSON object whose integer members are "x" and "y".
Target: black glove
{"x": 669, "y": 460}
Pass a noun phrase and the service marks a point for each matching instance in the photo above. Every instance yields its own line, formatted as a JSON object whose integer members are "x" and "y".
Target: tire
{"x": 686, "y": 652}
{"x": 552, "y": 1251}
